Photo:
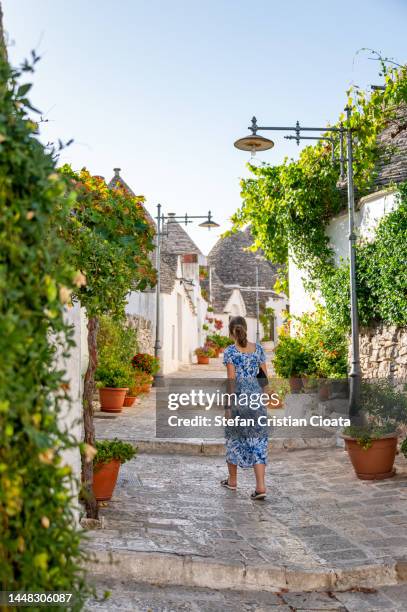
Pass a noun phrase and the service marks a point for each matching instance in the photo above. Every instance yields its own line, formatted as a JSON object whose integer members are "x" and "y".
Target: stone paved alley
{"x": 320, "y": 529}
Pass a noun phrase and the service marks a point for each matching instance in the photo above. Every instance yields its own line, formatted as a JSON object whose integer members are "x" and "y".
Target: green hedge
{"x": 39, "y": 540}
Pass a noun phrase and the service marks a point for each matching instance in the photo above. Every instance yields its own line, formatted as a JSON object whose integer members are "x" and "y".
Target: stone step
{"x": 169, "y": 569}
{"x": 216, "y": 448}
{"x": 139, "y": 597}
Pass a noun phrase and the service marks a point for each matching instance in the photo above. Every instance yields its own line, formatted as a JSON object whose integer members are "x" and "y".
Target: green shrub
{"x": 291, "y": 358}
{"x": 326, "y": 342}
{"x": 116, "y": 339}
{"x": 112, "y": 374}
{"x": 113, "y": 449}
{"x": 366, "y": 434}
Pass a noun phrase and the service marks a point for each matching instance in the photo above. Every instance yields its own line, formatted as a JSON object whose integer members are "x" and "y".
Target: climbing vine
{"x": 381, "y": 272}
{"x": 290, "y": 206}
{"x": 39, "y": 540}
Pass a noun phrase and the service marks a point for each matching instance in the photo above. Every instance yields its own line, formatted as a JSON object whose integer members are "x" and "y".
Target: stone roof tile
{"x": 235, "y": 265}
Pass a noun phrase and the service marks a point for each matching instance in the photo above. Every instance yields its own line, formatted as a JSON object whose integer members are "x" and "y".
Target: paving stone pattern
{"x": 317, "y": 513}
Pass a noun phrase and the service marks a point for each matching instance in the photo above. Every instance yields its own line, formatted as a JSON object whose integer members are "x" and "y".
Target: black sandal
{"x": 225, "y": 483}
{"x": 256, "y": 495}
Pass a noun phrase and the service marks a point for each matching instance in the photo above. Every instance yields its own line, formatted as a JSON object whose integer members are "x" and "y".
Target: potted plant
{"x": 142, "y": 382}
{"x": 146, "y": 366}
{"x": 146, "y": 363}
{"x": 110, "y": 454}
{"x": 213, "y": 345}
{"x": 132, "y": 394}
{"x": 212, "y": 351}
{"x": 203, "y": 353}
{"x": 113, "y": 381}
{"x": 221, "y": 342}
{"x": 372, "y": 444}
{"x": 291, "y": 360}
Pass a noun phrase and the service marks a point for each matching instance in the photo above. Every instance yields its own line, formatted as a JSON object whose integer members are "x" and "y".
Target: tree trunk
{"x": 91, "y": 505}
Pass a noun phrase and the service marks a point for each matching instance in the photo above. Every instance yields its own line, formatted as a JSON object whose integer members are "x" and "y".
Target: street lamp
{"x": 170, "y": 218}
{"x": 255, "y": 143}
{"x": 258, "y": 258}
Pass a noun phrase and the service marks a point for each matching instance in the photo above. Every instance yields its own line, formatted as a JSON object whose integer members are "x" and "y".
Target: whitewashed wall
{"x": 70, "y": 417}
{"x": 370, "y": 210}
{"x": 177, "y": 352}
{"x": 143, "y": 304}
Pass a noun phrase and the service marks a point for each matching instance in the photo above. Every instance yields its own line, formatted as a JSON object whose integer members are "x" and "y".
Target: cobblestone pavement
{"x": 168, "y": 510}
{"x": 317, "y": 514}
{"x": 148, "y": 598}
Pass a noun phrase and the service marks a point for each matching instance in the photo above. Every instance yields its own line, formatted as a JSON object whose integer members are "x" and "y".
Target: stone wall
{"x": 144, "y": 329}
{"x": 383, "y": 352}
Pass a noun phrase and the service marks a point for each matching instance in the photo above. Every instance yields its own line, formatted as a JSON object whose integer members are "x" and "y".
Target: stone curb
{"x": 217, "y": 449}
{"x": 193, "y": 571}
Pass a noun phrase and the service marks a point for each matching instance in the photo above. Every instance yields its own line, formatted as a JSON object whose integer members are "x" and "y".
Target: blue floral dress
{"x": 246, "y": 446}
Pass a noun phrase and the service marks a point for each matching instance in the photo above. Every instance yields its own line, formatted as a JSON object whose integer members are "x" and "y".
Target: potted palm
{"x": 110, "y": 454}
{"x": 113, "y": 381}
{"x": 372, "y": 443}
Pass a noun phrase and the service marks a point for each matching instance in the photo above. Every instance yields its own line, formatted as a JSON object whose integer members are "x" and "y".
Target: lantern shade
{"x": 254, "y": 143}
{"x": 209, "y": 223}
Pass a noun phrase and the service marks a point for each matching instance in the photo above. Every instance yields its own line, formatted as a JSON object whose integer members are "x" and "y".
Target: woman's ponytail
{"x": 238, "y": 329}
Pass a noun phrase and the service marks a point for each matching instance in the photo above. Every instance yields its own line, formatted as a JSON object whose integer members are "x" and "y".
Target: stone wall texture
{"x": 144, "y": 329}
{"x": 383, "y": 352}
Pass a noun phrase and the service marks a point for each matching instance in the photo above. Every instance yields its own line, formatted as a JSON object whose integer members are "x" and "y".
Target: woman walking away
{"x": 246, "y": 446}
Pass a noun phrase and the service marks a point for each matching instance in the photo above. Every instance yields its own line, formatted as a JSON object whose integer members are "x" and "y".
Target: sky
{"x": 162, "y": 88}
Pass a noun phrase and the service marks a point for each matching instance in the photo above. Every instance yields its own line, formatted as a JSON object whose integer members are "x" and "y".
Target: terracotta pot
{"x": 324, "y": 392}
{"x": 376, "y": 462}
{"x": 295, "y": 384}
{"x": 104, "y": 479}
{"x": 202, "y": 360}
{"x": 111, "y": 399}
{"x": 129, "y": 400}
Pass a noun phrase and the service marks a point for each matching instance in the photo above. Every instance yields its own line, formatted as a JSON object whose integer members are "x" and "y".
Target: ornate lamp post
{"x": 161, "y": 219}
{"x": 256, "y": 143}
